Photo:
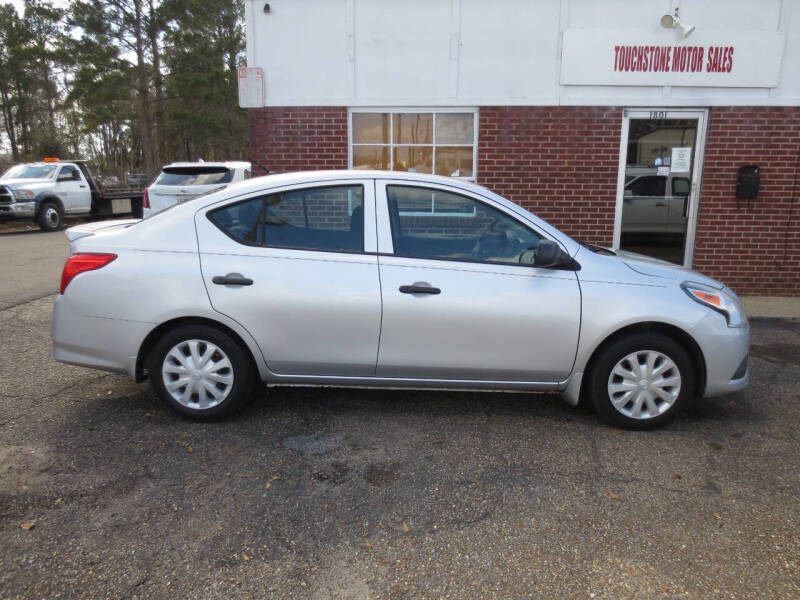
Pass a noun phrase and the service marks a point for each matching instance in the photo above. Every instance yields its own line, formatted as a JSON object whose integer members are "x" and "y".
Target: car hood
{"x": 654, "y": 267}
{"x": 15, "y": 183}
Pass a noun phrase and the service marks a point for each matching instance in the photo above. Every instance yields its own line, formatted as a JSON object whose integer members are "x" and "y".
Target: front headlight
{"x": 24, "y": 194}
{"x": 717, "y": 300}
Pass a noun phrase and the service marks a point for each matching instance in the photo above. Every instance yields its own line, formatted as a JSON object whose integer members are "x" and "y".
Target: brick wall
{"x": 561, "y": 163}
{"x": 755, "y": 250}
{"x": 298, "y": 139}
{"x": 558, "y": 162}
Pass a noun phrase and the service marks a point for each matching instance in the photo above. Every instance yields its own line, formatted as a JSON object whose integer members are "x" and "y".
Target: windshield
{"x": 193, "y": 176}
{"x": 30, "y": 172}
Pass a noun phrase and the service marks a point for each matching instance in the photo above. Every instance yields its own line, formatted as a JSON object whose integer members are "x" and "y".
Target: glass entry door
{"x": 657, "y": 193}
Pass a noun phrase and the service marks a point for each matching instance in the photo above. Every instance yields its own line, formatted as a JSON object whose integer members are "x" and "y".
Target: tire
{"x": 648, "y": 396}
{"x": 50, "y": 217}
{"x": 213, "y": 388}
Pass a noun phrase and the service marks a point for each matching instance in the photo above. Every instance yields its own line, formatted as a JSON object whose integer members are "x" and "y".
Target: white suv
{"x": 182, "y": 181}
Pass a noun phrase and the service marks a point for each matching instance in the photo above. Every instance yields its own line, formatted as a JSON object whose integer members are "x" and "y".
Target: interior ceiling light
{"x": 674, "y": 22}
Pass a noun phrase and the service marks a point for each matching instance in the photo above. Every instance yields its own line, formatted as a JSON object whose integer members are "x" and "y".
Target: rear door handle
{"x": 419, "y": 288}
{"x": 232, "y": 279}
{"x": 660, "y": 204}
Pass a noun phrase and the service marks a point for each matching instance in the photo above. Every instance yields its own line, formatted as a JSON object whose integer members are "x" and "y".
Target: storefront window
{"x": 420, "y": 142}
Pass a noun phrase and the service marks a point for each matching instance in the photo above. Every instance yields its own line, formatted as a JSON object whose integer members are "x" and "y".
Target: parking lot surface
{"x": 340, "y": 493}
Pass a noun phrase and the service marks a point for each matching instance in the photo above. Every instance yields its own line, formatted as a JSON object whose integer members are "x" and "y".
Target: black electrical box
{"x": 748, "y": 182}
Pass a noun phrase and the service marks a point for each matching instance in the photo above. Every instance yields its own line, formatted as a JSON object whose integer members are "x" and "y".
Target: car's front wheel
{"x": 641, "y": 381}
{"x": 201, "y": 372}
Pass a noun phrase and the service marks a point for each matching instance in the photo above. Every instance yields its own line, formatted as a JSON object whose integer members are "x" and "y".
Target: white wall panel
{"x": 509, "y": 49}
{"x": 402, "y": 50}
{"x": 302, "y": 47}
{"x": 503, "y": 52}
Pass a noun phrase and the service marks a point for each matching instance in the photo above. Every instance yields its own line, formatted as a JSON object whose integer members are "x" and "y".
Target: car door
{"x": 457, "y": 303}
{"x": 73, "y": 190}
{"x": 678, "y": 203}
{"x": 644, "y": 206}
{"x": 296, "y": 266}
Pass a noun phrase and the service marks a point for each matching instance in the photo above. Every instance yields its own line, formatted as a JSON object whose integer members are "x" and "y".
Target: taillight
{"x": 78, "y": 263}
{"x": 145, "y": 199}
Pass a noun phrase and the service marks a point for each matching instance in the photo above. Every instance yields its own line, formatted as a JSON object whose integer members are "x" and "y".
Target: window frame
{"x": 284, "y": 190}
{"x": 457, "y": 192}
{"x": 69, "y": 169}
{"x": 415, "y": 109}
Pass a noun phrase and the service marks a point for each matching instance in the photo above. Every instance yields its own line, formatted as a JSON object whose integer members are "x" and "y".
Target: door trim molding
{"x": 701, "y": 114}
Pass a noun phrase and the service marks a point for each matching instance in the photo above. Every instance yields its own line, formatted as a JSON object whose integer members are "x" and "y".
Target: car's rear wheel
{"x": 201, "y": 372}
{"x": 641, "y": 381}
{"x": 49, "y": 218}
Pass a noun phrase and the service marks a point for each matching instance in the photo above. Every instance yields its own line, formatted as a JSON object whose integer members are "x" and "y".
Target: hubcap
{"x": 197, "y": 374}
{"x": 51, "y": 216}
{"x": 644, "y": 384}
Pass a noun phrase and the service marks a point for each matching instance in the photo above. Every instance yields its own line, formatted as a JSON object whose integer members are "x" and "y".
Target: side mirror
{"x": 547, "y": 255}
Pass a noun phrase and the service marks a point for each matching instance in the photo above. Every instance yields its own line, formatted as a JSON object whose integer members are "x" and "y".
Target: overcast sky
{"x": 17, "y": 3}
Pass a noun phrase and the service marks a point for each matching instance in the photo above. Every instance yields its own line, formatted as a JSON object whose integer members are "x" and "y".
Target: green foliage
{"x": 130, "y": 84}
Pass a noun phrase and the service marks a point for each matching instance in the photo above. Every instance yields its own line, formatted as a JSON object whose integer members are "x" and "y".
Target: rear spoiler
{"x": 79, "y": 231}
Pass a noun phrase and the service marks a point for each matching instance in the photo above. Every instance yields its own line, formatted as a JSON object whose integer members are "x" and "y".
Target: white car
{"x": 182, "y": 181}
{"x": 375, "y": 278}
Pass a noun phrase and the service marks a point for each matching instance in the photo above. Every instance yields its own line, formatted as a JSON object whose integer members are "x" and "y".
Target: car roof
{"x": 230, "y": 164}
{"x": 280, "y": 179}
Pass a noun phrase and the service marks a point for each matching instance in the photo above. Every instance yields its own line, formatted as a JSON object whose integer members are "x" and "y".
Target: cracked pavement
{"x": 337, "y": 493}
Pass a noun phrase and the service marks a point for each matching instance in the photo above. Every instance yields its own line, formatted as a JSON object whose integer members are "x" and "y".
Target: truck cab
{"x": 45, "y": 192}
{"x": 655, "y": 203}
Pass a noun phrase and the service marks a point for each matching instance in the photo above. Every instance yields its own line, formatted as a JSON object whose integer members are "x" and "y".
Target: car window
{"x": 649, "y": 185}
{"x": 680, "y": 186}
{"x": 69, "y": 171}
{"x": 429, "y": 223}
{"x": 193, "y": 176}
{"x": 322, "y": 218}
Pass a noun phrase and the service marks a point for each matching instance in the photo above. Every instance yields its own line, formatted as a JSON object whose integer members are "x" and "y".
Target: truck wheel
{"x": 49, "y": 217}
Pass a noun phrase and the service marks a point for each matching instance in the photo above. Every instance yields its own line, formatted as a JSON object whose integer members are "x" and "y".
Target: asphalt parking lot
{"x": 334, "y": 493}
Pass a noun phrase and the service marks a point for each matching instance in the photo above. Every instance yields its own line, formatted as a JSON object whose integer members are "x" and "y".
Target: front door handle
{"x": 419, "y": 288}
{"x": 232, "y": 279}
{"x": 660, "y": 204}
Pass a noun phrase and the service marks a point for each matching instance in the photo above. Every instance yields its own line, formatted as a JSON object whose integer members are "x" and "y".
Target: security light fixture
{"x": 674, "y": 22}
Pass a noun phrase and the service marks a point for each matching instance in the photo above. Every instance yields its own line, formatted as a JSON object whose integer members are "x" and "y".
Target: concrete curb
{"x": 773, "y": 307}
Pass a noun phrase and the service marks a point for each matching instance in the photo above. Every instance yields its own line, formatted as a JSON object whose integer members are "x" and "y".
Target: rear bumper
{"x": 94, "y": 342}
{"x": 725, "y": 350}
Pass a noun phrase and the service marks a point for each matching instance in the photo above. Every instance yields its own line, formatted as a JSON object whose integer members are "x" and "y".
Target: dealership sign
{"x": 639, "y": 58}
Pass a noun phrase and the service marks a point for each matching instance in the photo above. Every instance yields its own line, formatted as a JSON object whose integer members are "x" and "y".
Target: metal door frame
{"x": 701, "y": 114}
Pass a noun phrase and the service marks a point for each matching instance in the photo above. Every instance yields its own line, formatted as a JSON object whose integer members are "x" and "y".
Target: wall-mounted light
{"x": 266, "y": 8}
{"x": 674, "y": 22}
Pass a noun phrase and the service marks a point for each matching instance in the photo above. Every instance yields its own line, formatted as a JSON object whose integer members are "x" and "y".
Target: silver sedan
{"x": 390, "y": 280}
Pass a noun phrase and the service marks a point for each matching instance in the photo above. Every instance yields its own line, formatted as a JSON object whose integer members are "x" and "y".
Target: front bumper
{"x": 725, "y": 350}
{"x": 17, "y": 210}
{"x": 95, "y": 342}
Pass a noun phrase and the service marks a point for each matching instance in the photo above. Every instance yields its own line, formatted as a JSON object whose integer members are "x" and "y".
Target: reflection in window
{"x": 434, "y": 224}
{"x": 423, "y": 142}
{"x": 323, "y": 218}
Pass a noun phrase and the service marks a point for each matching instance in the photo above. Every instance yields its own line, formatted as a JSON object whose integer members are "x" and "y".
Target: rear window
{"x": 194, "y": 176}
